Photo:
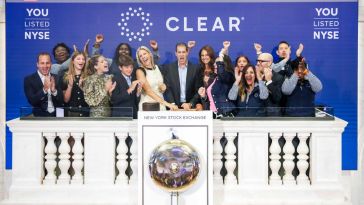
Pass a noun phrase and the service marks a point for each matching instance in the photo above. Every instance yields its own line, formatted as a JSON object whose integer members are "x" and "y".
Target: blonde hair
{"x": 71, "y": 69}
{"x": 150, "y": 54}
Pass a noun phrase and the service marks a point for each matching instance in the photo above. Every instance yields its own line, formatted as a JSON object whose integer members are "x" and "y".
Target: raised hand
{"x": 191, "y": 44}
{"x": 258, "y": 48}
{"x": 99, "y": 38}
{"x": 74, "y": 48}
{"x": 80, "y": 82}
{"x": 85, "y": 47}
{"x": 202, "y": 92}
{"x": 238, "y": 75}
{"x": 226, "y": 44}
{"x": 108, "y": 85}
{"x": 259, "y": 71}
{"x": 299, "y": 50}
{"x": 46, "y": 84}
{"x": 267, "y": 74}
{"x": 52, "y": 84}
{"x": 153, "y": 44}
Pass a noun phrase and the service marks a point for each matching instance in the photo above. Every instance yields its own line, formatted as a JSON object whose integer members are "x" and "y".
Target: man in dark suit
{"x": 183, "y": 79}
{"x": 273, "y": 81}
{"x": 125, "y": 96}
{"x": 40, "y": 88}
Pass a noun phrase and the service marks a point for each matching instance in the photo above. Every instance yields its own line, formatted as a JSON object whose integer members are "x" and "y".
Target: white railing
{"x": 262, "y": 162}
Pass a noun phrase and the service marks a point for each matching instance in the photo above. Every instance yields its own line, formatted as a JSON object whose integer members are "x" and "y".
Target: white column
{"x": 288, "y": 163}
{"x": 302, "y": 164}
{"x": 325, "y": 162}
{"x": 50, "y": 163}
{"x": 253, "y": 158}
{"x": 217, "y": 150}
{"x": 121, "y": 156}
{"x": 274, "y": 156}
{"x": 27, "y": 158}
{"x": 99, "y": 157}
{"x": 77, "y": 163}
{"x": 134, "y": 158}
{"x": 64, "y": 158}
{"x": 230, "y": 165}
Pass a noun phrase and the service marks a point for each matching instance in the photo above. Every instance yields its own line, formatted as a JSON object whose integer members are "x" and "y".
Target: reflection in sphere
{"x": 174, "y": 165}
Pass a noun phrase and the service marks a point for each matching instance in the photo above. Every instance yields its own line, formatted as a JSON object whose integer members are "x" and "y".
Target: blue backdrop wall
{"x": 327, "y": 30}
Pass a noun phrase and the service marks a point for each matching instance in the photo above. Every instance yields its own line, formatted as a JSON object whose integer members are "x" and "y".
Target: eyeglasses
{"x": 262, "y": 61}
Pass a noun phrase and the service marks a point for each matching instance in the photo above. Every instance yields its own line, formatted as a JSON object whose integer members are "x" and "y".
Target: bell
{"x": 174, "y": 165}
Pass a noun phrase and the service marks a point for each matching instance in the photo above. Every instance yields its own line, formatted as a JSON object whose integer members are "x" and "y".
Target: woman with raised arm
{"x": 249, "y": 91}
{"x": 151, "y": 79}
{"x": 218, "y": 80}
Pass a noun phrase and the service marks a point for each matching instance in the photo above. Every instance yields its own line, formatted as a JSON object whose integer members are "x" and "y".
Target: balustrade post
{"x": 288, "y": 164}
{"x": 217, "y": 150}
{"x": 274, "y": 157}
{"x": 77, "y": 164}
{"x": 302, "y": 164}
{"x": 121, "y": 156}
{"x": 134, "y": 159}
{"x": 230, "y": 164}
{"x": 64, "y": 156}
{"x": 50, "y": 163}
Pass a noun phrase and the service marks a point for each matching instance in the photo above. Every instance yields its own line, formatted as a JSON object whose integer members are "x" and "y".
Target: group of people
{"x": 120, "y": 86}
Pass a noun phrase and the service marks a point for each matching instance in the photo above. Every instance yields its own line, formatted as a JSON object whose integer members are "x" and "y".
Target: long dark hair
{"x": 211, "y": 53}
{"x": 241, "y": 56}
{"x": 243, "y": 84}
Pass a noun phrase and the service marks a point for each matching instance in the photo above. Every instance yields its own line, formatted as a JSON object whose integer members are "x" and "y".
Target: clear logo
{"x": 134, "y": 24}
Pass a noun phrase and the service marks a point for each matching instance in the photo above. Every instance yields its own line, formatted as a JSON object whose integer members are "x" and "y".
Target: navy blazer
{"x": 121, "y": 100}
{"x": 193, "y": 83}
{"x": 33, "y": 88}
{"x": 220, "y": 89}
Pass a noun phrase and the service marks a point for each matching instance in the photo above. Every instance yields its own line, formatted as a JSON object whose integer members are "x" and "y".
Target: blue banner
{"x": 328, "y": 32}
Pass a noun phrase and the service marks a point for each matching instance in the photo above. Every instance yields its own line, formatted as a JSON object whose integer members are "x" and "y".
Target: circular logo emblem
{"x": 135, "y": 24}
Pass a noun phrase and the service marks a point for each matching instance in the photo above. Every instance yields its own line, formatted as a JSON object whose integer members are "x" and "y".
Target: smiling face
{"x": 44, "y": 64}
{"x": 102, "y": 65}
{"x": 79, "y": 62}
{"x": 124, "y": 50}
{"x": 61, "y": 54}
{"x": 126, "y": 69}
{"x": 249, "y": 76}
{"x": 241, "y": 62}
{"x": 205, "y": 58}
{"x": 145, "y": 58}
{"x": 181, "y": 54}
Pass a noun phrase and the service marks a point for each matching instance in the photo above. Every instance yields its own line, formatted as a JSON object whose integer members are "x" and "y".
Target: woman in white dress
{"x": 151, "y": 79}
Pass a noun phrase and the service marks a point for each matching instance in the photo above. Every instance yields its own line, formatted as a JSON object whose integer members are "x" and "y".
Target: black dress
{"x": 77, "y": 106}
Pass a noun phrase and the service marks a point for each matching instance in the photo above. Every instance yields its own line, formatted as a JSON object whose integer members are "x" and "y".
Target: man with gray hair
{"x": 273, "y": 81}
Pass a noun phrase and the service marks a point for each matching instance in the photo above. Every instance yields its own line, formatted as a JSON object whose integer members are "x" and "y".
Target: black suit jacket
{"x": 275, "y": 95}
{"x": 121, "y": 100}
{"x": 33, "y": 88}
{"x": 193, "y": 83}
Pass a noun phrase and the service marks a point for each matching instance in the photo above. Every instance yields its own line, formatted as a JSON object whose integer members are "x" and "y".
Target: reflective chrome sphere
{"x": 174, "y": 165}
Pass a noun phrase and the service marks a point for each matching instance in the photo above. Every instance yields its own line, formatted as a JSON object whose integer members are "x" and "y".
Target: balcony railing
{"x": 255, "y": 162}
